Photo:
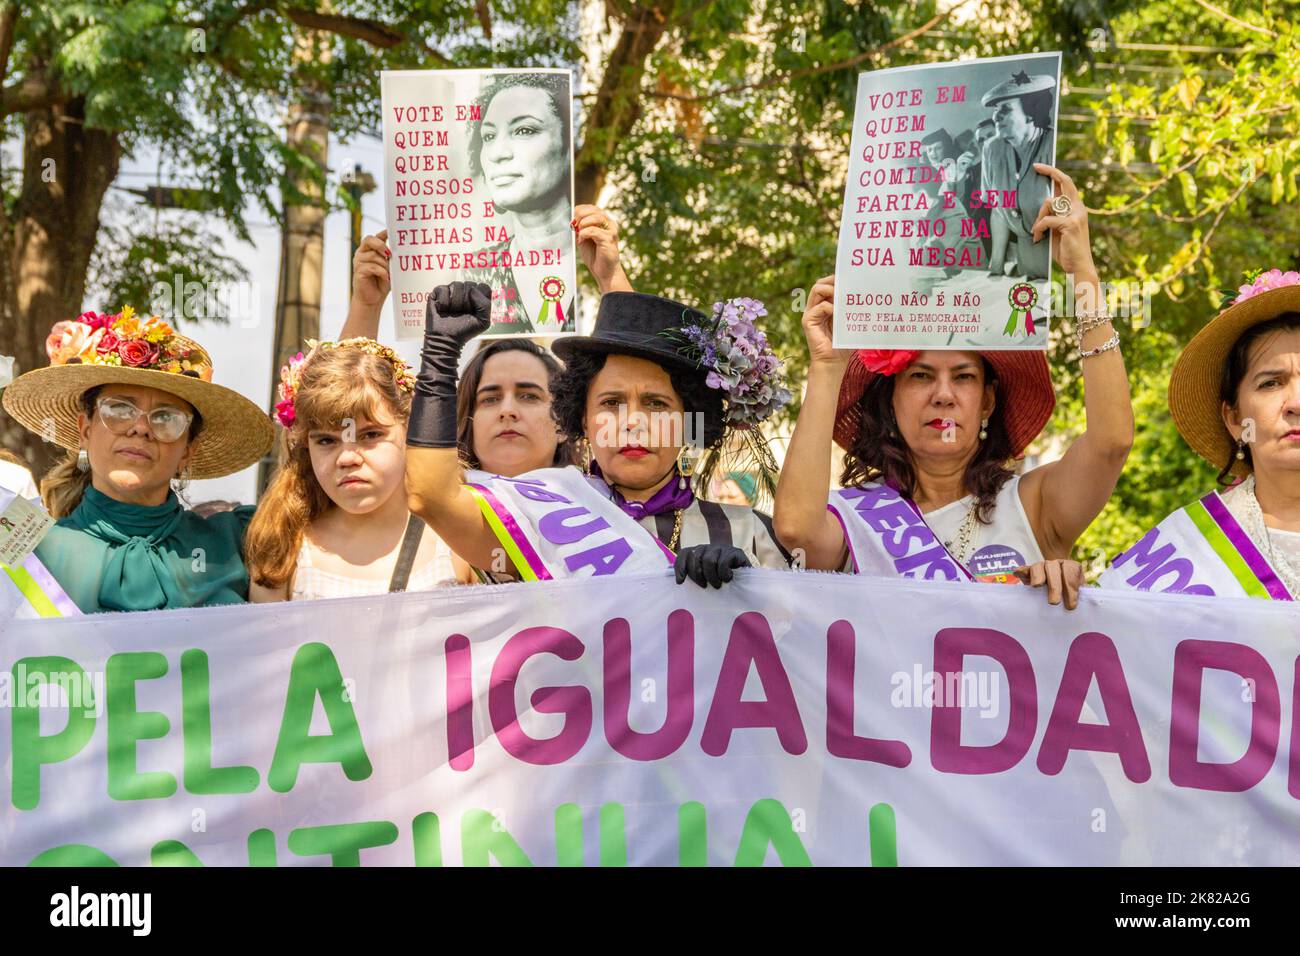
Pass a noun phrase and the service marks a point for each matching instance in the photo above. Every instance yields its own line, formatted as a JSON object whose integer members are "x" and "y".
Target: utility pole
{"x": 302, "y": 239}
{"x": 357, "y": 182}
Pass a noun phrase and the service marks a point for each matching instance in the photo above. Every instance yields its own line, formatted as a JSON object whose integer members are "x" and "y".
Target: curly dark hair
{"x": 569, "y": 405}
{"x": 1234, "y": 372}
{"x": 555, "y": 85}
{"x": 467, "y": 397}
{"x": 879, "y": 452}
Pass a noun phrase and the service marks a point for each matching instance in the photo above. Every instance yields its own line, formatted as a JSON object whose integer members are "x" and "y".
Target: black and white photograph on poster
{"x": 936, "y": 247}
{"x": 479, "y": 188}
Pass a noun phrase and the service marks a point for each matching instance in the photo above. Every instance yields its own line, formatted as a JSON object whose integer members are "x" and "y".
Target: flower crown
{"x": 1257, "y": 281}
{"x": 291, "y": 372}
{"x": 125, "y": 339}
{"x": 739, "y": 360}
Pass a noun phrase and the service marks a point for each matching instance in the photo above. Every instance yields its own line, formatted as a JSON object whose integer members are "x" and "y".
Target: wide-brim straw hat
{"x": 235, "y": 433}
{"x": 1025, "y": 396}
{"x": 1195, "y": 381}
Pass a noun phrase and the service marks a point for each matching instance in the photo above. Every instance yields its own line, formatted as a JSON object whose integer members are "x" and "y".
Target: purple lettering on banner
{"x": 573, "y": 702}
{"x": 751, "y": 645}
{"x": 460, "y": 702}
{"x": 634, "y": 744}
{"x": 900, "y": 543}
{"x": 553, "y": 527}
{"x": 1191, "y": 660}
{"x": 604, "y": 558}
{"x": 947, "y": 753}
{"x": 1094, "y": 655}
{"x": 840, "y": 739}
{"x": 1293, "y": 775}
{"x": 535, "y": 489}
{"x": 1143, "y": 555}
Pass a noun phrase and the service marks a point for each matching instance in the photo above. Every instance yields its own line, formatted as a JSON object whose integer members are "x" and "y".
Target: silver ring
{"x": 1061, "y": 205}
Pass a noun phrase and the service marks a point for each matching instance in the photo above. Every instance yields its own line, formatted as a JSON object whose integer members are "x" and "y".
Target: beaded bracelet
{"x": 1085, "y": 322}
{"x": 1110, "y": 343}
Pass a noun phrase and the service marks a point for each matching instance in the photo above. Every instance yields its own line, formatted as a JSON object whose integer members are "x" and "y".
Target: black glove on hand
{"x": 453, "y": 315}
{"x": 709, "y": 564}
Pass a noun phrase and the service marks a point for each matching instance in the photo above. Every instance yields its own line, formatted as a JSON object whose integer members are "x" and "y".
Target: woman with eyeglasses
{"x": 134, "y": 404}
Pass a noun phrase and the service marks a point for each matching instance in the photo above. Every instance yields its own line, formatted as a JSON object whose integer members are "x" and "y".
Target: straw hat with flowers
{"x": 1194, "y": 384}
{"x": 127, "y": 349}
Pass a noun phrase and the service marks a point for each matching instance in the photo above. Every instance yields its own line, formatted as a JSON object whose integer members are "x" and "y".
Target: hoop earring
{"x": 984, "y": 429}
{"x": 83, "y": 460}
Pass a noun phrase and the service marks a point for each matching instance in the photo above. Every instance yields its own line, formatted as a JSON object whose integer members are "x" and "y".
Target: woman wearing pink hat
{"x": 930, "y": 437}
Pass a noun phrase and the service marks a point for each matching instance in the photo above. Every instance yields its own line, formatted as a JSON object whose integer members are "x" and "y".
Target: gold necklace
{"x": 677, "y": 530}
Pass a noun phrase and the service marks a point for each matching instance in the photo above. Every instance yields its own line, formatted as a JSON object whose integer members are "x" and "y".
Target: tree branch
{"x": 369, "y": 31}
{"x": 32, "y": 93}
{"x": 1231, "y": 19}
{"x": 824, "y": 68}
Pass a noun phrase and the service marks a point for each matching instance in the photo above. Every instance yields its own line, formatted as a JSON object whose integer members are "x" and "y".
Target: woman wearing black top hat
{"x": 654, "y": 383}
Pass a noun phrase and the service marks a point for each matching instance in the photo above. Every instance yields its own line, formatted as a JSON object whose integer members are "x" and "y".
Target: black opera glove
{"x": 709, "y": 564}
{"x": 453, "y": 315}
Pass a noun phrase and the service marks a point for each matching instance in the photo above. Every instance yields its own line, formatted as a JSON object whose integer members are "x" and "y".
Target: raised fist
{"x": 459, "y": 311}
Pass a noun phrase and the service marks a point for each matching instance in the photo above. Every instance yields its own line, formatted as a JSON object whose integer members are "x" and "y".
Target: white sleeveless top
{"x": 310, "y": 583}
{"x": 996, "y": 549}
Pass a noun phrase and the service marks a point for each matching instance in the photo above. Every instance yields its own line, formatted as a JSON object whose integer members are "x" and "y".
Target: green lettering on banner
{"x": 692, "y": 835}
{"x": 427, "y": 837}
{"x": 261, "y": 848}
{"x": 342, "y": 842}
{"x": 73, "y": 854}
{"x": 196, "y": 731}
{"x": 883, "y": 834}
{"x": 126, "y": 726}
{"x": 768, "y": 824}
{"x": 173, "y": 853}
{"x": 613, "y": 835}
{"x": 568, "y": 835}
{"x": 315, "y": 673}
{"x": 482, "y": 836}
{"x": 30, "y": 749}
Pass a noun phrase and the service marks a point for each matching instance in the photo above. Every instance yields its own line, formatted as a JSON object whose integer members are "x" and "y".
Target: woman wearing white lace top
{"x": 1235, "y": 396}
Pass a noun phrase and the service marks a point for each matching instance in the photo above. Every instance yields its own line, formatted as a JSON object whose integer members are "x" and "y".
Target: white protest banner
{"x": 793, "y": 718}
{"x": 935, "y": 248}
{"x": 478, "y": 187}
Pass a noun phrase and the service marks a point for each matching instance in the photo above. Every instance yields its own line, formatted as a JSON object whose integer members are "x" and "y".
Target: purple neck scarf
{"x": 671, "y": 497}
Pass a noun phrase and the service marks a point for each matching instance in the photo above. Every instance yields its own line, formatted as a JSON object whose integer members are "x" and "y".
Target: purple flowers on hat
{"x": 740, "y": 362}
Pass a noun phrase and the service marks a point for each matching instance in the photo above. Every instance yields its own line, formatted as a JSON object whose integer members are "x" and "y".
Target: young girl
{"x": 334, "y": 522}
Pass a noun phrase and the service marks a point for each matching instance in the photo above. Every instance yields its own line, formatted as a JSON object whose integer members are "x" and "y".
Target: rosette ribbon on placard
{"x": 552, "y": 290}
{"x": 1021, "y": 298}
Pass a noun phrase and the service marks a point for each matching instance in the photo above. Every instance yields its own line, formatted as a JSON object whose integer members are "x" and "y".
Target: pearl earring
{"x": 984, "y": 429}
{"x": 1241, "y": 450}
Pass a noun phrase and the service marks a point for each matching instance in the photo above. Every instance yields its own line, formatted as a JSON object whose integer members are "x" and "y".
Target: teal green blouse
{"x": 112, "y": 556}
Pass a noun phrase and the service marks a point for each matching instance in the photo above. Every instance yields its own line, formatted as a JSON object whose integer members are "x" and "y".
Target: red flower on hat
{"x": 138, "y": 352}
{"x": 886, "y": 361}
{"x": 108, "y": 342}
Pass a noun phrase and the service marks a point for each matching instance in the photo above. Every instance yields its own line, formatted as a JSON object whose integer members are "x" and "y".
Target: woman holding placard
{"x": 929, "y": 491}
{"x": 1235, "y": 396}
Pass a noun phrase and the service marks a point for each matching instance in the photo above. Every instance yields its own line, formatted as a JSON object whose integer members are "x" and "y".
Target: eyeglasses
{"x": 166, "y": 422}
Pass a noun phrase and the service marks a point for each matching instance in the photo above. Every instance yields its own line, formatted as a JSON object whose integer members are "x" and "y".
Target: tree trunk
{"x": 618, "y": 101}
{"x": 67, "y": 168}
{"x": 302, "y": 241}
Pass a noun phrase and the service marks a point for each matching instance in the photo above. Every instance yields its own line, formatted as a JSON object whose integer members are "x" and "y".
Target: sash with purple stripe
{"x": 552, "y": 523}
{"x": 887, "y": 536}
{"x": 1200, "y": 549}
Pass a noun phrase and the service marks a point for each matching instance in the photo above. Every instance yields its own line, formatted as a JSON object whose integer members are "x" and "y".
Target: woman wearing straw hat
{"x": 928, "y": 488}
{"x": 134, "y": 403}
{"x": 655, "y": 378}
{"x": 1235, "y": 397}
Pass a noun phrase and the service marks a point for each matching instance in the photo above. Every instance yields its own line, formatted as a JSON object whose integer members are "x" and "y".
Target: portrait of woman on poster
{"x": 1022, "y": 121}
{"x": 520, "y": 150}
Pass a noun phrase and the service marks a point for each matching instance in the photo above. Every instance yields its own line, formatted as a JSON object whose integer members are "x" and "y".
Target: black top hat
{"x": 636, "y": 324}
